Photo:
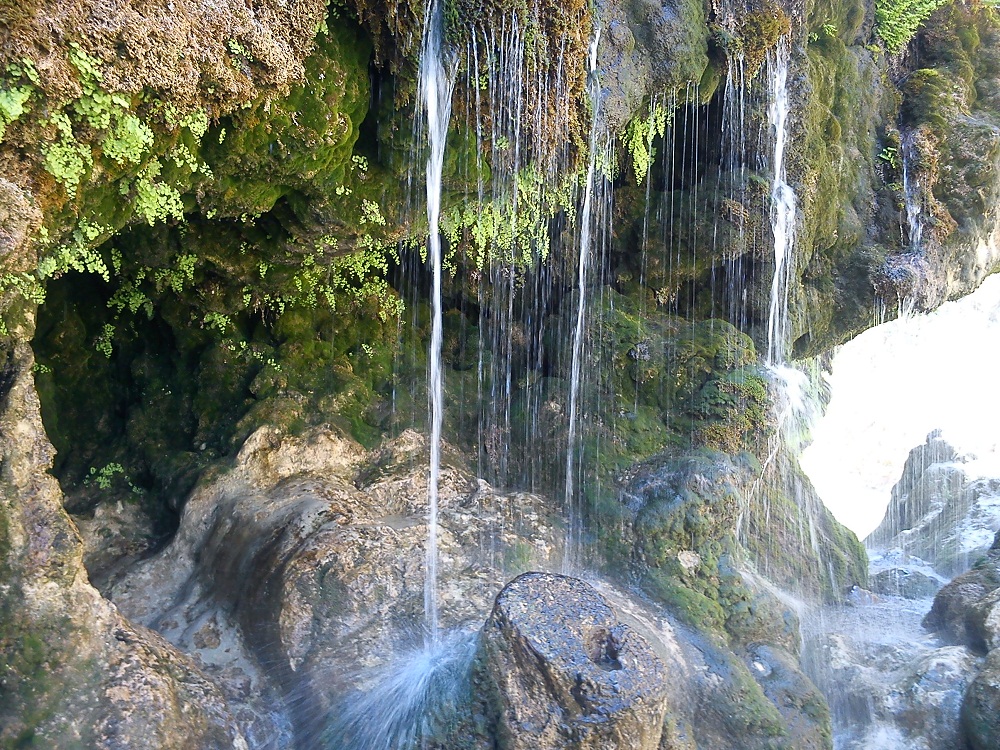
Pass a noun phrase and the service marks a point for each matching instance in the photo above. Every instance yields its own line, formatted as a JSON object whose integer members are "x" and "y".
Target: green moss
{"x": 847, "y": 200}
{"x": 299, "y": 147}
{"x": 759, "y": 31}
{"x": 692, "y": 607}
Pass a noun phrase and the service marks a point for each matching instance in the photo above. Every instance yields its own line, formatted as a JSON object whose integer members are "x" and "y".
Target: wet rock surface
{"x": 909, "y": 584}
{"x": 562, "y": 671}
{"x": 889, "y": 682}
{"x": 302, "y": 567}
{"x": 940, "y": 510}
{"x": 981, "y": 709}
{"x": 967, "y": 610}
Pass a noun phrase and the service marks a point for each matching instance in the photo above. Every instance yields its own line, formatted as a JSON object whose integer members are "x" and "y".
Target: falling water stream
{"x": 436, "y": 83}
{"x": 586, "y": 230}
{"x": 783, "y": 205}
{"x": 911, "y": 196}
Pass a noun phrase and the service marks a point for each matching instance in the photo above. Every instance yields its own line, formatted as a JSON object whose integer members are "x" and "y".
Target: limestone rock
{"x": 967, "y": 610}
{"x": 803, "y": 708}
{"x": 981, "y": 708}
{"x": 560, "y": 670}
{"x": 75, "y": 672}
{"x": 297, "y": 574}
{"x": 909, "y": 584}
{"x": 940, "y": 511}
{"x": 886, "y": 680}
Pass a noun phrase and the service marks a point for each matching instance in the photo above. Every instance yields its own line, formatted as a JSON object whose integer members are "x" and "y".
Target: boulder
{"x": 967, "y": 610}
{"x": 558, "y": 669}
{"x": 297, "y": 574}
{"x": 981, "y": 708}
{"x": 909, "y": 584}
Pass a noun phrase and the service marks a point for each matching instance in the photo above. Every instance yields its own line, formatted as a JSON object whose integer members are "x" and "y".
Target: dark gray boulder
{"x": 557, "y": 669}
{"x": 909, "y": 584}
{"x": 981, "y": 708}
{"x": 967, "y": 610}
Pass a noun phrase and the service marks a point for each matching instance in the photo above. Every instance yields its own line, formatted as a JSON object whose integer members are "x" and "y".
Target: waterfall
{"x": 586, "y": 229}
{"x": 911, "y": 197}
{"x": 436, "y": 83}
{"x": 783, "y": 205}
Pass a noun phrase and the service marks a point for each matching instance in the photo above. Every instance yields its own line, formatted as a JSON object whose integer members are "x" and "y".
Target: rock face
{"x": 939, "y": 511}
{"x": 888, "y": 681}
{"x": 981, "y": 709}
{"x": 75, "y": 672}
{"x": 300, "y": 570}
{"x": 563, "y": 672}
{"x": 967, "y": 611}
{"x": 296, "y": 581}
{"x": 909, "y": 584}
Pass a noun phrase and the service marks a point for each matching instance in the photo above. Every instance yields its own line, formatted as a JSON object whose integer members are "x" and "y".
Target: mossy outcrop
{"x": 213, "y": 209}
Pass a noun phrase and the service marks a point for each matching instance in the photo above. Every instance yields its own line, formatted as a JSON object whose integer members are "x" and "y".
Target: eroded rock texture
{"x": 562, "y": 671}
{"x": 75, "y": 672}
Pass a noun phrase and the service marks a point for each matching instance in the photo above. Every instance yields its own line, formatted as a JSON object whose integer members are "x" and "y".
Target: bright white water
{"x": 783, "y": 205}
{"x": 895, "y": 383}
{"x": 586, "y": 229}
{"x": 436, "y": 84}
{"x": 408, "y": 700}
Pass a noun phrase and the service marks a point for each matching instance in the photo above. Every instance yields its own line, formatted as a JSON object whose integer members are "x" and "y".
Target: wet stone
{"x": 909, "y": 584}
{"x": 557, "y": 669}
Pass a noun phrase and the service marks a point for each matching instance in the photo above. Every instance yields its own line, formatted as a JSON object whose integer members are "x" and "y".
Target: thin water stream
{"x": 586, "y": 230}
{"x": 783, "y": 206}
{"x": 437, "y": 79}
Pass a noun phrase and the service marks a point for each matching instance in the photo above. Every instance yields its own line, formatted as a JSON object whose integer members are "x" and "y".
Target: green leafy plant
{"x": 66, "y": 159}
{"x": 890, "y": 156}
{"x": 78, "y": 253}
{"x": 105, "y": 477}
{"x": 128, "y": 140}
{"x": 12, "y": 103}
{"x": 103, "y": 342}
{"x": 156, "y": 201}
{"x": 640, "y": 132}
{"x": 897, "y": 21}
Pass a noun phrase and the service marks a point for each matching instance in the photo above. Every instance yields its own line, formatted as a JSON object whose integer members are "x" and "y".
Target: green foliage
{"x": 177, "y": 277}
{"x": 358, "y": 277}
{"x": 66, "y": 159}
{"x": 890, "y": 156}
{"x": 640, "y": 132}
{"x": 26, "y": 285}
{"x": 128, "y": 140}
{"x": 105, "y": 477}
{"x": 78, "y": 253}
{"x": 130, "y": 297}
{"x": 12, "y": 103}
{"x": 218, "y": 321}
{"x": 103, "y": 343}
{"x": 156, "y": 201}
{"x": 487, "y": 233}
{"x": 897, "y": 21}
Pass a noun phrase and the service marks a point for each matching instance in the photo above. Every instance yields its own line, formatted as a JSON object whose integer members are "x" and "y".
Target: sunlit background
{"x": 895, "y": 383}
